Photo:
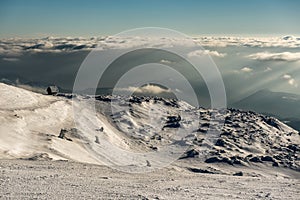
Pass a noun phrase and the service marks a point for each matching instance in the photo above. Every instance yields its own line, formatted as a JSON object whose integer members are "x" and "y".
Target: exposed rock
{"x": 190, "y": 154}
{"x": 68, "y": 96}
{"x": 272, "y": 122}
{"x": 39, "y": 156}
{"x": 97, "y": 139}
{"x": 267, "y": 158}
{"x": 103, "y": 98}
{"x": 213, "y": 160}
{"x": 198, "y": 170}
{"x": 173, "y": 122}
{"x": 100, "y": 129}
{"x": 62, "y": 134}
{"x": 238, "y": 174}
{"x": 220, "y": 142}
{"x": 255, "y": 159}
{"x": 148, "y": 163}
{"x": 135, "y": 99}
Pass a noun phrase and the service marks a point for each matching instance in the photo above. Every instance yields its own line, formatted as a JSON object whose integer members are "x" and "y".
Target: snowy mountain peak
{"x": 39, "y": 126}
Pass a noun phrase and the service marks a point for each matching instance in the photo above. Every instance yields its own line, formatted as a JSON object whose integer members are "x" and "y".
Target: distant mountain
{"x": 285, "y": 106}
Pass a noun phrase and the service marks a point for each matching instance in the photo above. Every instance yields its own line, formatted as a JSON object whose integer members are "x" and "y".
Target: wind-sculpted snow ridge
{"x": 35, "y": 126}
{"x": 246, "y": 137}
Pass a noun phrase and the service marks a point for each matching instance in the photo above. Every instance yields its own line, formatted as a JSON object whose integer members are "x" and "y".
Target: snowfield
{"x": 30, "y": 124}
{"x": 47, "y": 150}
{"x": 68, "y": 180}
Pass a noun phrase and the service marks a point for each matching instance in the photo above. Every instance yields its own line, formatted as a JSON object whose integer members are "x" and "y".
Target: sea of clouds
{"x": 12, "y": 48}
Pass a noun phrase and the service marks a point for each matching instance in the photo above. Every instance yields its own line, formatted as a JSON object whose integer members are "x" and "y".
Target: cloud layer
{"x": 147, "y": 89}
{"x": 283, "y": 56}
{"x": 262, "y": 42}
{"x": 17, "y": 46}
{"x": 206, "y": 52}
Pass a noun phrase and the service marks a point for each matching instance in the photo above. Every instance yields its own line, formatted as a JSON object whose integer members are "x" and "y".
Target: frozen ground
{"x": 67, "y": 180}
{"x": 44, "y": 154}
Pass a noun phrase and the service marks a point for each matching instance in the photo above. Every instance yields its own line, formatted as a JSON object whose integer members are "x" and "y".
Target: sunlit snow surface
{"x": 30, "y": 124}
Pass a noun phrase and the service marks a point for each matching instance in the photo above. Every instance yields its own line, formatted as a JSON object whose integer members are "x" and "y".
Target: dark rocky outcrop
{"x": 173, "y": 122}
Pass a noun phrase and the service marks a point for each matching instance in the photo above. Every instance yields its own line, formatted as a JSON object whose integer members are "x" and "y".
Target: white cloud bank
{"x": 199, "y": 53}
{"x": 283, "y": 56}
{"x": 284, "y": 42}
{"x": 147, "y": 89}
{"x": 16, "y": 46}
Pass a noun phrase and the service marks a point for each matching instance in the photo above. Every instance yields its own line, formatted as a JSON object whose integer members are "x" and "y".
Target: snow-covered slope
{"x": 36, "y": 126}
{"x": 30, "y": 124}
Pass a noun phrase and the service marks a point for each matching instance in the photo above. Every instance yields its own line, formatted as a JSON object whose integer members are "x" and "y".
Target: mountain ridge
{"x": 42, "y": 127}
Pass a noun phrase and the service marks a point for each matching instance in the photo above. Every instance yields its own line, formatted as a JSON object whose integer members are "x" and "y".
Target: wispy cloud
{"x": 291, "y": 81}
{"x": 163, "y": 61}
{"x": 246, "y": 69}
{"x": 10, "y": 59}
{"x": 287, "y": 76}
{"x": 267, "y": 69}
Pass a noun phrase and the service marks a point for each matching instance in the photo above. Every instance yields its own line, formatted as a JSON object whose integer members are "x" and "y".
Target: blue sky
{"x": 34, "y": 18}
